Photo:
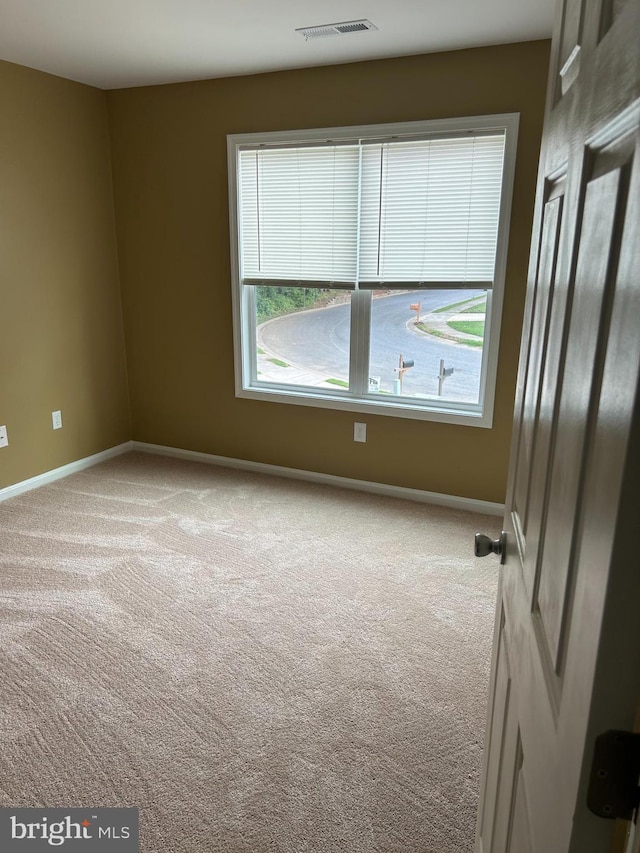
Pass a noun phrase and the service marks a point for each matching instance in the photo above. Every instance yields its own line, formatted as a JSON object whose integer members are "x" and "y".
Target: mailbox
{"x": 407, "y": 362}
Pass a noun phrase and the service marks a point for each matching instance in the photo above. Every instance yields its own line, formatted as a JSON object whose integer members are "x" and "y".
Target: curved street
{"x": 318, "y": 341}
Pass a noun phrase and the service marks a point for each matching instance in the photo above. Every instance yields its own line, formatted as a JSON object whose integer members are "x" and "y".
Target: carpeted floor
{"x": 258, "y": 664}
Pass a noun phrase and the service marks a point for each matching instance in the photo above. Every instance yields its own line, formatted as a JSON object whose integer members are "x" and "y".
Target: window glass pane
{"x": 438, "y": 336}
{"x": 302, "y": 336}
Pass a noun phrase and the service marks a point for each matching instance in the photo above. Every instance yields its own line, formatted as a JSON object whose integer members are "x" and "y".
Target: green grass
{"x": 449, "y": 307}
{"x": 469, "y": 327}
{"x": 470, "y": 342}
{"x": 279, "y": 362}
{"x": 480, "y": 308}
{"x": 260, "y": 351}
{"x": 339, "y": 382}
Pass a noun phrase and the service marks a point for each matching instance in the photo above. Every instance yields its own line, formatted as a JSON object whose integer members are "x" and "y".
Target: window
{"x": 368, "y": 265}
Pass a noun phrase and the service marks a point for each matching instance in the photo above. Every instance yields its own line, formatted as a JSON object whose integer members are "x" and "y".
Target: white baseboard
{"x": 64, "y": 471}
{"x": 452, "y": 501}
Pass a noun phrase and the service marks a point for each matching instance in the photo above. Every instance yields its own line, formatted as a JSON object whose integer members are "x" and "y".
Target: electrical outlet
{"x": 359, "y": 432}
{"x": 4, "y": 438}
{"x": 56, "y": 419}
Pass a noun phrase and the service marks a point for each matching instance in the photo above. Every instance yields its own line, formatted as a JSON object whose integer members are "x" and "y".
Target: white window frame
{"x": 245, "y": 356}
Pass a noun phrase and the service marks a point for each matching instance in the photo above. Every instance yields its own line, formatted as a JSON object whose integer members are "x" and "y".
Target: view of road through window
{"x": 434, "y": 329}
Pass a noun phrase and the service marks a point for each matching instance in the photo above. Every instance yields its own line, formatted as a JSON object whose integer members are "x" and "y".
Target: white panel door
{"x": 566, "y": 662}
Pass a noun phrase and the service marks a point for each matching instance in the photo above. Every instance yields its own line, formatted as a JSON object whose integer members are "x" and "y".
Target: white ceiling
{"x": 118, "y": 43}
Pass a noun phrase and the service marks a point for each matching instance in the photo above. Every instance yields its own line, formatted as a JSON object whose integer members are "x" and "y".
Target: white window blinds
{"x": 299, "y": 215}
{"x": 398, "y": 213}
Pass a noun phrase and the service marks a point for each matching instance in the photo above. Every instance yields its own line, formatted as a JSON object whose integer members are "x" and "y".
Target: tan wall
{"x": 61, "y": 338}
{"x": 170, "y": 179}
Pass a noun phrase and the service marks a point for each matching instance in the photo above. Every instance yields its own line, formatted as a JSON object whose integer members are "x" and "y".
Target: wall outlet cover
{"x": 4, "y": 438}
{"x": 56, "y": 419}
{"x": 359, "y": 432}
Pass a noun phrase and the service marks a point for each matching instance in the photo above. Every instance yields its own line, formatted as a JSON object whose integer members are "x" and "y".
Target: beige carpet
{"x": 257, "y": 664}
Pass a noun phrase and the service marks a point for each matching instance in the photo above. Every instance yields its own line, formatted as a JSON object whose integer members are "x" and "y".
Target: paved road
{"x": 318, "y": 340}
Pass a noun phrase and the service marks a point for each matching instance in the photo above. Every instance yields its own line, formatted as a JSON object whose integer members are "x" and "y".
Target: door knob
{"x": 485, "y": 545}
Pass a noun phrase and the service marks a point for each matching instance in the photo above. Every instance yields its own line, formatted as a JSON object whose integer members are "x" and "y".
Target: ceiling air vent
{"x": 336, "y": 29}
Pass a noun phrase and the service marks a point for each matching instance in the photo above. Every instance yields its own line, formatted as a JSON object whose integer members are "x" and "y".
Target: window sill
{"x": 451, "y": 413}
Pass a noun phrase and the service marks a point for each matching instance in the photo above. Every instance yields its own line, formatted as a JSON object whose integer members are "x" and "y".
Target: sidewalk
{"x": 272, "y": 368}
{"x": 437, "y": 323}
